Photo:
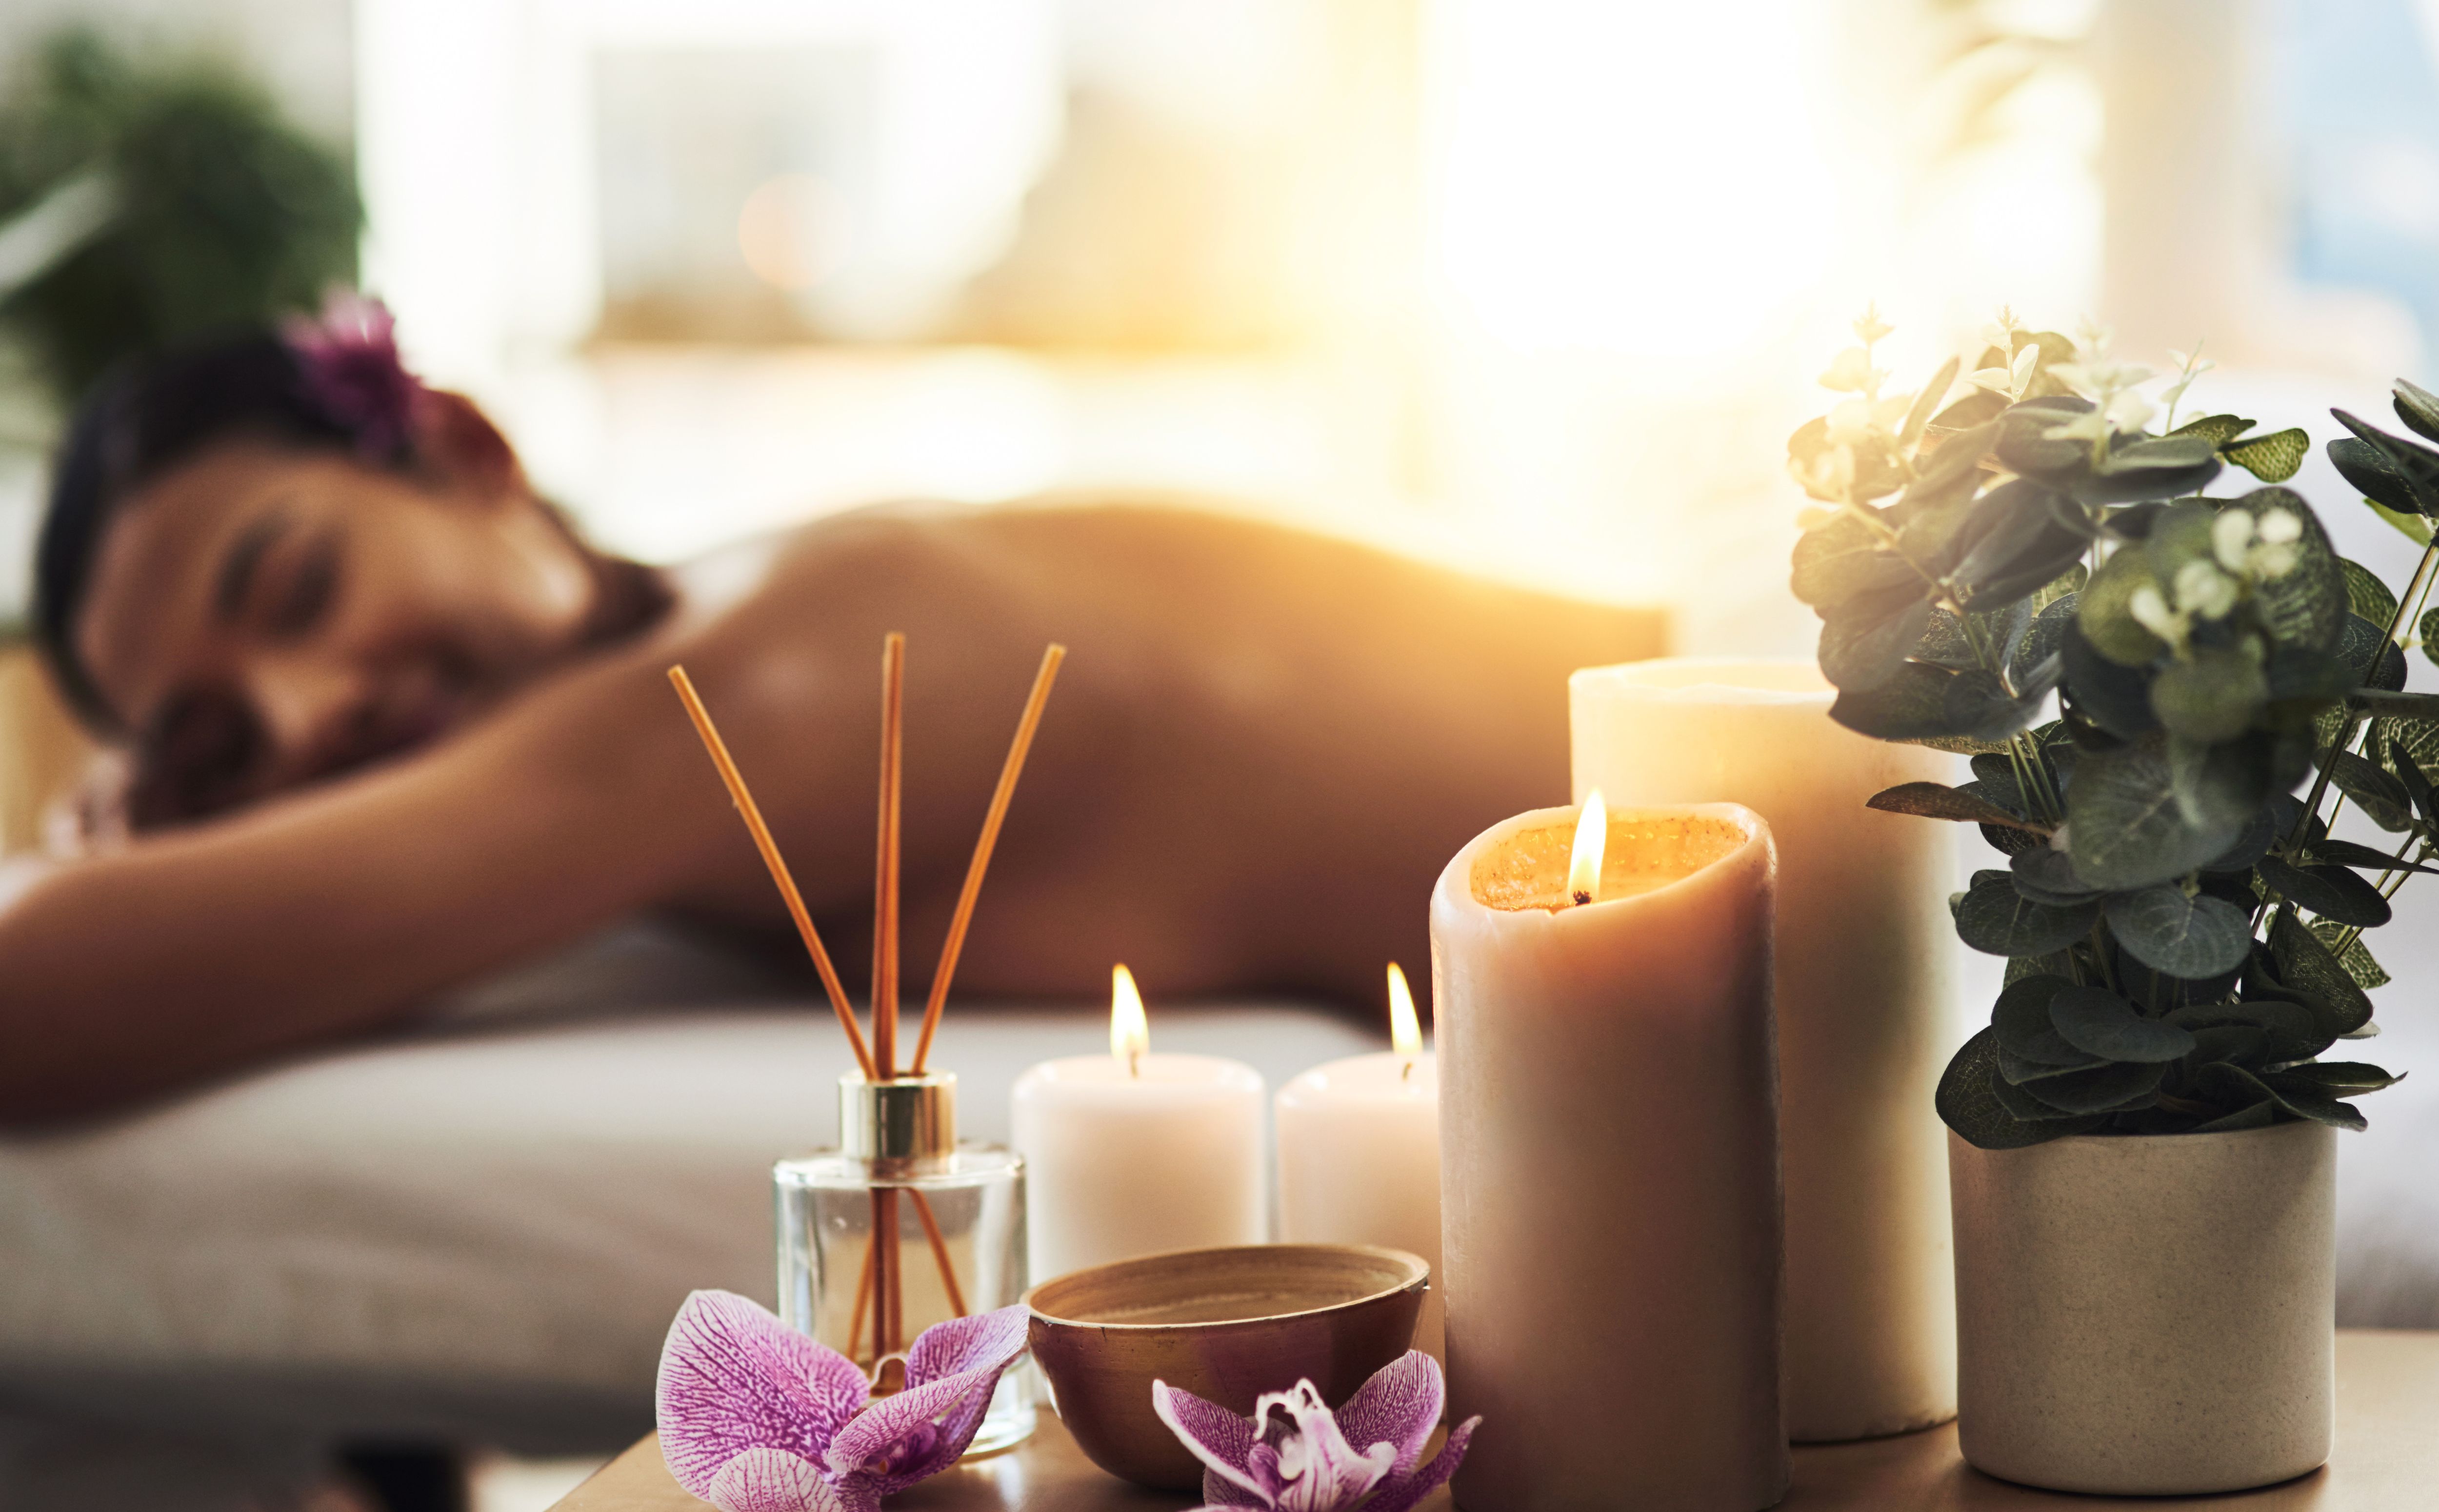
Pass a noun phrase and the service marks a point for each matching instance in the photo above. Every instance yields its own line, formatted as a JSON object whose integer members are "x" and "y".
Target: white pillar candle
{"x": 1610, "y": 1163}
{"x": 1865, "y": 951}
{"x": 1131, "y": 1152}
{"x": 1360, "y": 1153}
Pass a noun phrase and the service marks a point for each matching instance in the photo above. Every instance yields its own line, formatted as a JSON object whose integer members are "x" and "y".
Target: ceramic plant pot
{"x": 2147, "y": 1315}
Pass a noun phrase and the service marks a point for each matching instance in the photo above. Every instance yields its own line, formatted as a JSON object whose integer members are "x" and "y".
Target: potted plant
{"x": 2166, "y": 697}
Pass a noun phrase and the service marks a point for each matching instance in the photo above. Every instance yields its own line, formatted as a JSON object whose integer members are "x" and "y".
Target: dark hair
{"x": 141, "y": 421}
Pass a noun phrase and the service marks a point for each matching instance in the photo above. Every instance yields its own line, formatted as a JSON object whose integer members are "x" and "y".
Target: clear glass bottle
{"x": 950, "y": 1222}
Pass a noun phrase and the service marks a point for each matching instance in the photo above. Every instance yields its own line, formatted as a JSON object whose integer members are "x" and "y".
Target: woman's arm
{"x": 205, "y": 950}
{"x": 202, "y": 951}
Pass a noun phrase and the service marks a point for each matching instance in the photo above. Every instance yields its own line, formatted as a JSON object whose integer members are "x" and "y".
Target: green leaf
{"x": 2112, "y": 1088}
{"x": 2428, "y": 631}
{"x": 2168, "y": 468}
{"x": 1967, "y": 1104}
{"x": 2257, "y": 1115}
{"x": 1978, "y": 408}
{"x": 2021, "y": 1018}
{"x": 1947, "y": 471}
{"x": 2126, "y": 828}
{"x": 1993, "y": 917}
{"x": 1918, "y": 417}
{"x": 1933, "y": 800}
{"x": 2098, "y": 1021}
{"x": 2366, "y": 595}
{"x": 2379, "y": 795}
{"x": 2272, "y": 458}
{"x": 2026, "y": 448}
{"x": 2413, "y": 526}
{"x": 2335, "y": 1078}
{"x": 2370, "y": 655}
{"x": 2327, "y": 852}
{"x": 2352, "y": 954}
{"x": 2304, "y": 963}
{"x": 2047, "y": 875}
{"x": 1844, "y": 559}
{"x": 1957, "y": 744}
{"x": 2216, "y": 429}
{"x": 2223, "y": 1082}
{"x": 2102, "y": 692}
{"x": 1978, "y": 704}
{"x": 2210, "y": 696}
{"x": 2403, "y": 708}
{"x": 2194, "y": 938}
{"x": 2307, "y": 605}
{"x": 1912, "y": 706}
{"x": 2332, "y": 892}
{"x": 2045, "y": 639}
{"x": 2022, "y": 536}
{"x": 2018, "y": 1102}
{"x": 2256, "y": 1029}
{"x": 2064, "y": 585}
{"x": 2418, "y": 408}
{"x": 2102, "y": 614}
{"x": 2394, "y": 470}
{"x": 1865, "y": 640}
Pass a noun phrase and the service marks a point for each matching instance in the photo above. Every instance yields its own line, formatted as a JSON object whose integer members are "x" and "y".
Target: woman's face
{"x": 260, "y": 618}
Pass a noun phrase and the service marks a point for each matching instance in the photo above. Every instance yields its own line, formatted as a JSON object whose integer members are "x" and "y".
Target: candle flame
{"x": 1592, "y": 837}
{"x": 1130, "y": 1031}
{"x": 1405, "y": 1034}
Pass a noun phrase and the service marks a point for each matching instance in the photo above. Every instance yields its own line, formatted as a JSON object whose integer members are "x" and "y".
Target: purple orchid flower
{"x": 1296, "y": 1455}
{"x": 354, "y": 374}
{"x": 757, "y": 1417}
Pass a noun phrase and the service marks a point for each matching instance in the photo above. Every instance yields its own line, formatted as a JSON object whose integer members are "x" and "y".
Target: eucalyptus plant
{"x": 2144, "y": 677}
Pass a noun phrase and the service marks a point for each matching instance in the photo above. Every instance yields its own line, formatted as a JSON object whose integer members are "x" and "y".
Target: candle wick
{"x": 1134, "y": 1064}
{"x": 1408, "y": 1073}
{"x": 1582, "y": 898}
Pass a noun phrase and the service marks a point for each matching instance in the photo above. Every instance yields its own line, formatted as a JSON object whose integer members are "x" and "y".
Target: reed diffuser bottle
{"x": 899, "y": 1228}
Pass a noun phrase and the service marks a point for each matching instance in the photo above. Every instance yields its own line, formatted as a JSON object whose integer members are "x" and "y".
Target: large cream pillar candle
{"x": 1131, "y": 1152}
{"x": 1360, "y": 1153}
{"x": 1864, "y": 1021}
{"x": 1609, "y": 1171}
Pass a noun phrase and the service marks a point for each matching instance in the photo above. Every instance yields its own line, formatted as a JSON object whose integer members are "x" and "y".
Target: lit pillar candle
{"x": 1609, "y": 1178}
{"x": 1865, "y": 949}
{"x": 1359, "y": 1152}
{"x": 1132, "y": 1152}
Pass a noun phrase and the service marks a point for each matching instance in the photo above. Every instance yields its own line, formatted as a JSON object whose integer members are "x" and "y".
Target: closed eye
{"x": 303, "y": 600}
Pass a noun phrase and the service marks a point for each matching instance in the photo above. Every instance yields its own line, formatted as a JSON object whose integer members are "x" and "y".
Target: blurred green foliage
{"x": 224, "y": 212}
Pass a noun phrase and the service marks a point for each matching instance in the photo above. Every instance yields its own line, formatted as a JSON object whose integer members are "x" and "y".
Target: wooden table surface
{"x": 2387, "y": 1460}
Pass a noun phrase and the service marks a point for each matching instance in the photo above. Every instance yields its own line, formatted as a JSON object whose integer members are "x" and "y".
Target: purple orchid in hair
{"x": 1296, "y": 1455}
{"x": 757, "y": 1417}
{"x": 352, "y": 372}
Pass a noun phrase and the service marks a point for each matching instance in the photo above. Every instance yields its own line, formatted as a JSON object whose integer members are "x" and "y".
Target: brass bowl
{"x": 1226, "y": 1325}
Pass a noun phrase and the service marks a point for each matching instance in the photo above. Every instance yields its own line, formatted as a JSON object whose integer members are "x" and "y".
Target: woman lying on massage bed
{"x": 390, "y": 723}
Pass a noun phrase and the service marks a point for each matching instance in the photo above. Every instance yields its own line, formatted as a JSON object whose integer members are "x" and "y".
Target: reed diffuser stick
{"x": 884, "y": 888}
{"x": 939, "y": 1250}
{"x": 992, "y": 819}
{"x": 891, "y": 1276}
{"x": 862, "y": 1299}
{"x": 771, "y": 857}
{"x": 884, "y": 1271}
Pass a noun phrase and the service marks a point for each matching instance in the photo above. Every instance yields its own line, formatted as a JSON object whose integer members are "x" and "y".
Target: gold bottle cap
{"x": 909, "y": 1118}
